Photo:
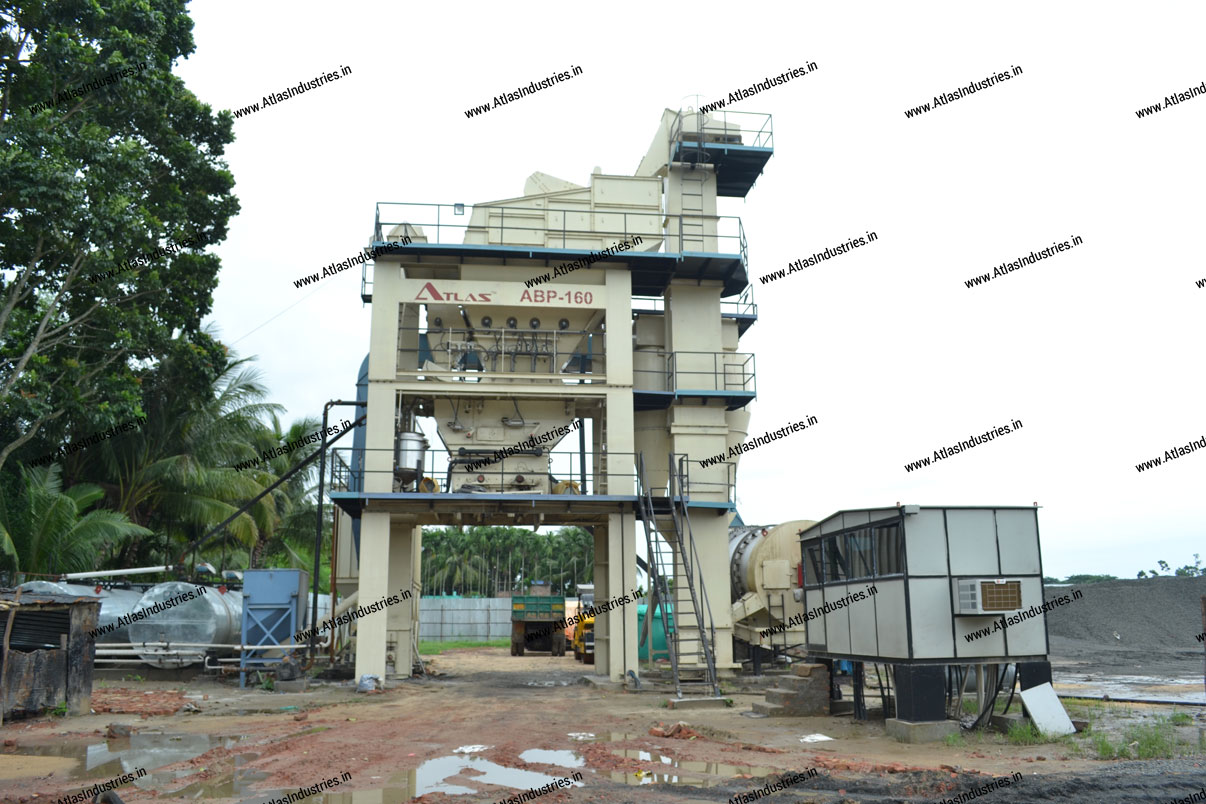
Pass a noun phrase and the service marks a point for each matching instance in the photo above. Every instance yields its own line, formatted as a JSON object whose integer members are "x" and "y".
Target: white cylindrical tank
{"x": 114, "y": 603}
{"x": 211, "y": 618}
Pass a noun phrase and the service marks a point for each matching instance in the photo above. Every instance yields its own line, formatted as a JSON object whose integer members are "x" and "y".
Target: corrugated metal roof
{"x": 43, "y": 598}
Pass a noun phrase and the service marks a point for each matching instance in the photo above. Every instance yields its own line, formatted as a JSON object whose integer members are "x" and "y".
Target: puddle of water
{"x": 115, "y": 757}
{"x": 1152, "y": 688}
{"x": 237, "y": 784}
{"x": 470, "y": 749}
{"x": 610, "y": 737}
{"x": 430, "y": 777}
{"x": 690, "y": 771}
{"x": 565, "y": 759}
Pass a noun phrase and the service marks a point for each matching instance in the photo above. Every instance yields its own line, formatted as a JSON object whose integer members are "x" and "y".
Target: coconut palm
{"x": 174, "y": 473}
{"x": 292, "y": 532}
{"x": 458, "y": 569}
{"x": 44, "y": 529}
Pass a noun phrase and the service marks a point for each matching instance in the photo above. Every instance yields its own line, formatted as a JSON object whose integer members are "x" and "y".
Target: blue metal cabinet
{"x": 274, "y": 609}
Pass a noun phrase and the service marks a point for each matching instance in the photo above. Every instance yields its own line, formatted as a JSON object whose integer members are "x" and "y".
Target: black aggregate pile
{"x": 1146, "y": 626}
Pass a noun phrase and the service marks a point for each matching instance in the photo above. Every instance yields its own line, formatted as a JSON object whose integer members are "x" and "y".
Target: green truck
{"x": 537, "y": 623}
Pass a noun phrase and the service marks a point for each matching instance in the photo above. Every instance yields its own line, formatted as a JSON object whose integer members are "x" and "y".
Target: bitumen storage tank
{"x": 212, "y": 617}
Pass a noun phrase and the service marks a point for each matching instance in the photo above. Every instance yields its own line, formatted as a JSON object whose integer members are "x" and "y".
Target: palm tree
{"x": 459, "y": 569}
{"x": 292, "y": 532}
{"x": 43, "y": 528}
{"x": 175, "y": 472}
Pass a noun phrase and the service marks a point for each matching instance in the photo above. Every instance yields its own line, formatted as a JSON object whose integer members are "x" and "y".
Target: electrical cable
{"x": 1012, "y": 688}
{"x": 991, "y": 703}
{"x": 957, "y": 712}
{"x": 883, "y": 702}
{"x": 510, "y": 422}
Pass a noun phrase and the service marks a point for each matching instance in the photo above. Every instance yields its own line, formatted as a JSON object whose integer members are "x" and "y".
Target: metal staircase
{"x": 673, "y": 555}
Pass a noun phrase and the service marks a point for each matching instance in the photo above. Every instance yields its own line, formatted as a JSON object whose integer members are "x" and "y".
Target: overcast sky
{"x": 1097, "y": 350}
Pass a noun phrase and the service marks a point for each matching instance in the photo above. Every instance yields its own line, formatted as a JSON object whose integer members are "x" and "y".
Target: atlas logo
{"x": 435, "y": 295}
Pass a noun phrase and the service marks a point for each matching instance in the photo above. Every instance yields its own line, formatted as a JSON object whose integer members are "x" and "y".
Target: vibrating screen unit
{"x": 925, "y": 585}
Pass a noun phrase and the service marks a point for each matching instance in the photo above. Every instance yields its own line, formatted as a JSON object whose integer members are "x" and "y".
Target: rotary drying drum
{"x": 764, "y": 566}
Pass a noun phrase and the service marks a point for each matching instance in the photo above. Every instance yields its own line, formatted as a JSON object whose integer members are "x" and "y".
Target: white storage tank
{"x": 214, "y": 617}
{"x": 115, "y": 603}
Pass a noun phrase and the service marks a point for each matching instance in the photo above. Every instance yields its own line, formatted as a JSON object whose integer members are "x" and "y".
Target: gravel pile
{"x": 1118, "y": 624}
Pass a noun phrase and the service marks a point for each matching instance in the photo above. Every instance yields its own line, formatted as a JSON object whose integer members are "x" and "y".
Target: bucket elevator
{"x": 574, "y": 351}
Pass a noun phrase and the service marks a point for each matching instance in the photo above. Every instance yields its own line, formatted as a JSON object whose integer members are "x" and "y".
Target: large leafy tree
{"x": 86, "y": 185}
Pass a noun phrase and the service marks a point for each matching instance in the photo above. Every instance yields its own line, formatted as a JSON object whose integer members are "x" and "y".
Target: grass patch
{"x": 954, "y": 741}
{"x": 436, "y": 648}
{"x": 1181, "y": 719}
{"x": 1155, "y": 740}
{"x": 1024, "y": 733}
{"x": 1106, "y": 749}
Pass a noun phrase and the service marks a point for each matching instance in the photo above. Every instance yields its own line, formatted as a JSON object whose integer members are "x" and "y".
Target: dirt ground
{"x": 403, "y": 742}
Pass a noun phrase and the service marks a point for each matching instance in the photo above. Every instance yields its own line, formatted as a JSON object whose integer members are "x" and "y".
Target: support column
{"x": 374, "y": 585}
{"x": 399, "y": 616}
{"x": 374, "y": 581}
{"x": 623, "y": 620}
{"x": 603, "y": 587}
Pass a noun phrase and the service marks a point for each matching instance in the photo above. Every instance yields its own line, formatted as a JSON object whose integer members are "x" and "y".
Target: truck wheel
{"x": 577, "y": 655}
{"x": 519, "y": 650}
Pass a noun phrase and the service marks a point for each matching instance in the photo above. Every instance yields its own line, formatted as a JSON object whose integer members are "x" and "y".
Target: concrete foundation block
{"x": 293, "y": 685}
{"x": 696, "y": 703}
{"x": 925, "y": 732}
{"x": 807, "y": 669}
{"x": 841, "y": 707}
{"x": 783, "y": 697}
{"x": 770, "y": 710}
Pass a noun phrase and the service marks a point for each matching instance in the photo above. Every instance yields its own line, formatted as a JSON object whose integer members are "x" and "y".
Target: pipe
{"x": 334, "y": 557}
{"x": 322, "y": 468}
{"x": 69, "y": 576}
{"x": 581, "y": 422}
{"x": 229, "y": 646}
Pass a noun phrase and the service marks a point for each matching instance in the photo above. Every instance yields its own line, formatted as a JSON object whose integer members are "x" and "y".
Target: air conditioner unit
{"x": 987, "y": 596}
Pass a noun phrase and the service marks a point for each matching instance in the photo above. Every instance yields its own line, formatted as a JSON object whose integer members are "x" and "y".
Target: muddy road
{"x": 492, "y": 725}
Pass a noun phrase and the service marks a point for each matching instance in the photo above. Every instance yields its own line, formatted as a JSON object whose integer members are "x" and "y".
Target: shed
{"x": 46, "y": 651}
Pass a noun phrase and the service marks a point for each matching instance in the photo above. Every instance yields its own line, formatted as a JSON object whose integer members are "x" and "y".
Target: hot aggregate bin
{"x": 535, "y": 624}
